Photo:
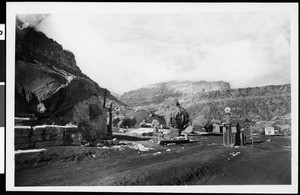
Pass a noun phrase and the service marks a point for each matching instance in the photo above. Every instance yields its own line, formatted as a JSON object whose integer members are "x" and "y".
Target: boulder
{"x": 188, "y": 130}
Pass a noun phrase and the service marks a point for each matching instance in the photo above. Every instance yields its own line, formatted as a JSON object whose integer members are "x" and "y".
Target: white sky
{"x": 123, "y": 52}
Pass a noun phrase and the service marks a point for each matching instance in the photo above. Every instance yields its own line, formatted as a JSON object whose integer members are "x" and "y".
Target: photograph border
{"x": 14, "y": 8}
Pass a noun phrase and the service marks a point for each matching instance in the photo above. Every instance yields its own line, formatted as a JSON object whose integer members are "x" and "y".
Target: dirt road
{"x": 205, "y": 162}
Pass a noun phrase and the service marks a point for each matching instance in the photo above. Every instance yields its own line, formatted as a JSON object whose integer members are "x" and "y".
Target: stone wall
{"x": 46, "y": 135}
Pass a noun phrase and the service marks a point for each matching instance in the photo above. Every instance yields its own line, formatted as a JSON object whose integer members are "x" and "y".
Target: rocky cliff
{"x": 206, "y": 101}
{"x": 157, "y": 93}
{"x": 49, "y": 84}
{"x": 264, "y": 106}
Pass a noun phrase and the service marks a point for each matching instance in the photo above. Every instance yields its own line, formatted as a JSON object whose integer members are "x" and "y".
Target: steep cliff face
{"x": 35, "y": 47}
{"x": 49, "y": 84}
{"x": 157, "y": 93}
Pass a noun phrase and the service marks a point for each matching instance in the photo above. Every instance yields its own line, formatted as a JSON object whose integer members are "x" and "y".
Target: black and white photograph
{"x": 152, "y": 97}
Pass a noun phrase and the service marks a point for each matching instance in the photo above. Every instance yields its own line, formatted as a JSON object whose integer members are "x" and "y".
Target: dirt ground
{"x": 202, "y": 162}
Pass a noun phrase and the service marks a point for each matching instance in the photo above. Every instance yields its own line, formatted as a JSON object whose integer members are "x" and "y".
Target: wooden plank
{"x": 22, "y": 127}
{"x": 22, "y": 118}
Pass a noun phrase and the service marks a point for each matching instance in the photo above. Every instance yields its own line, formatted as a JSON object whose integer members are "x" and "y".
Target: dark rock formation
{"x": 49, "y": 84}
{"x": 35, "y": 47}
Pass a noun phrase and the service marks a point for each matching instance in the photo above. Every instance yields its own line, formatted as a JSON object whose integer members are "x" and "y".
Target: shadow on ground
{"x": 130, "y": 138}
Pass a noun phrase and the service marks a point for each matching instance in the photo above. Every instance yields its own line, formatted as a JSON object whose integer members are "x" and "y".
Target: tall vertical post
{"x": 104, "y": 101}
{"x": 237, "y": 138}
{"x": 224, "y": 134}
{"x": 110, "y": 119}
{"x": 109, "y": 125}
{"x": 227, "y": 133}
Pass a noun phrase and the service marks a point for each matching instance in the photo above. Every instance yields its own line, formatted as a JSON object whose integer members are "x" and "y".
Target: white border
{"x": 14, "y": 8}
{"x": 2, "y": 134}
{"x": 294, "y": 90}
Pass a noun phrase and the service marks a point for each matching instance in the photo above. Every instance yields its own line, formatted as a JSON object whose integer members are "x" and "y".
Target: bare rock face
{"x": 49, "y": 84}
{"x": 35, "y": 47}
{"x": 157, "y": 93}
{"x": 264, "y": 106}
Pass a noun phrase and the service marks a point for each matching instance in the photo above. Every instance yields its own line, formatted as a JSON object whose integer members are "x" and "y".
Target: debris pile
{"x": 121, "y": 145}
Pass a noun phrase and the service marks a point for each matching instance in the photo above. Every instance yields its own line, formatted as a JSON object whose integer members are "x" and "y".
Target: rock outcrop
{"x": 49, "y": 84}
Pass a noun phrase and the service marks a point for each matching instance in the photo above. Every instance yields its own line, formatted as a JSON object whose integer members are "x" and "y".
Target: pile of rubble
{"x": 119, "y": 145}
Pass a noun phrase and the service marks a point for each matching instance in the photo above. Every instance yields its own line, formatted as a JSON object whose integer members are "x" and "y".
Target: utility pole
{"x": 227, "y": 133}
{"x": 109, "y": 125}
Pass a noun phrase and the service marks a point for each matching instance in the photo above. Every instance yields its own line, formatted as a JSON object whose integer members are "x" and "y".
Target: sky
{"x": 123, "y": 52}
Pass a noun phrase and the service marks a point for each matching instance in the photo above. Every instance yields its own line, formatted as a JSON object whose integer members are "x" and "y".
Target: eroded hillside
{"x": 264, "y": 106}
{"x": 157, "y": 93}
